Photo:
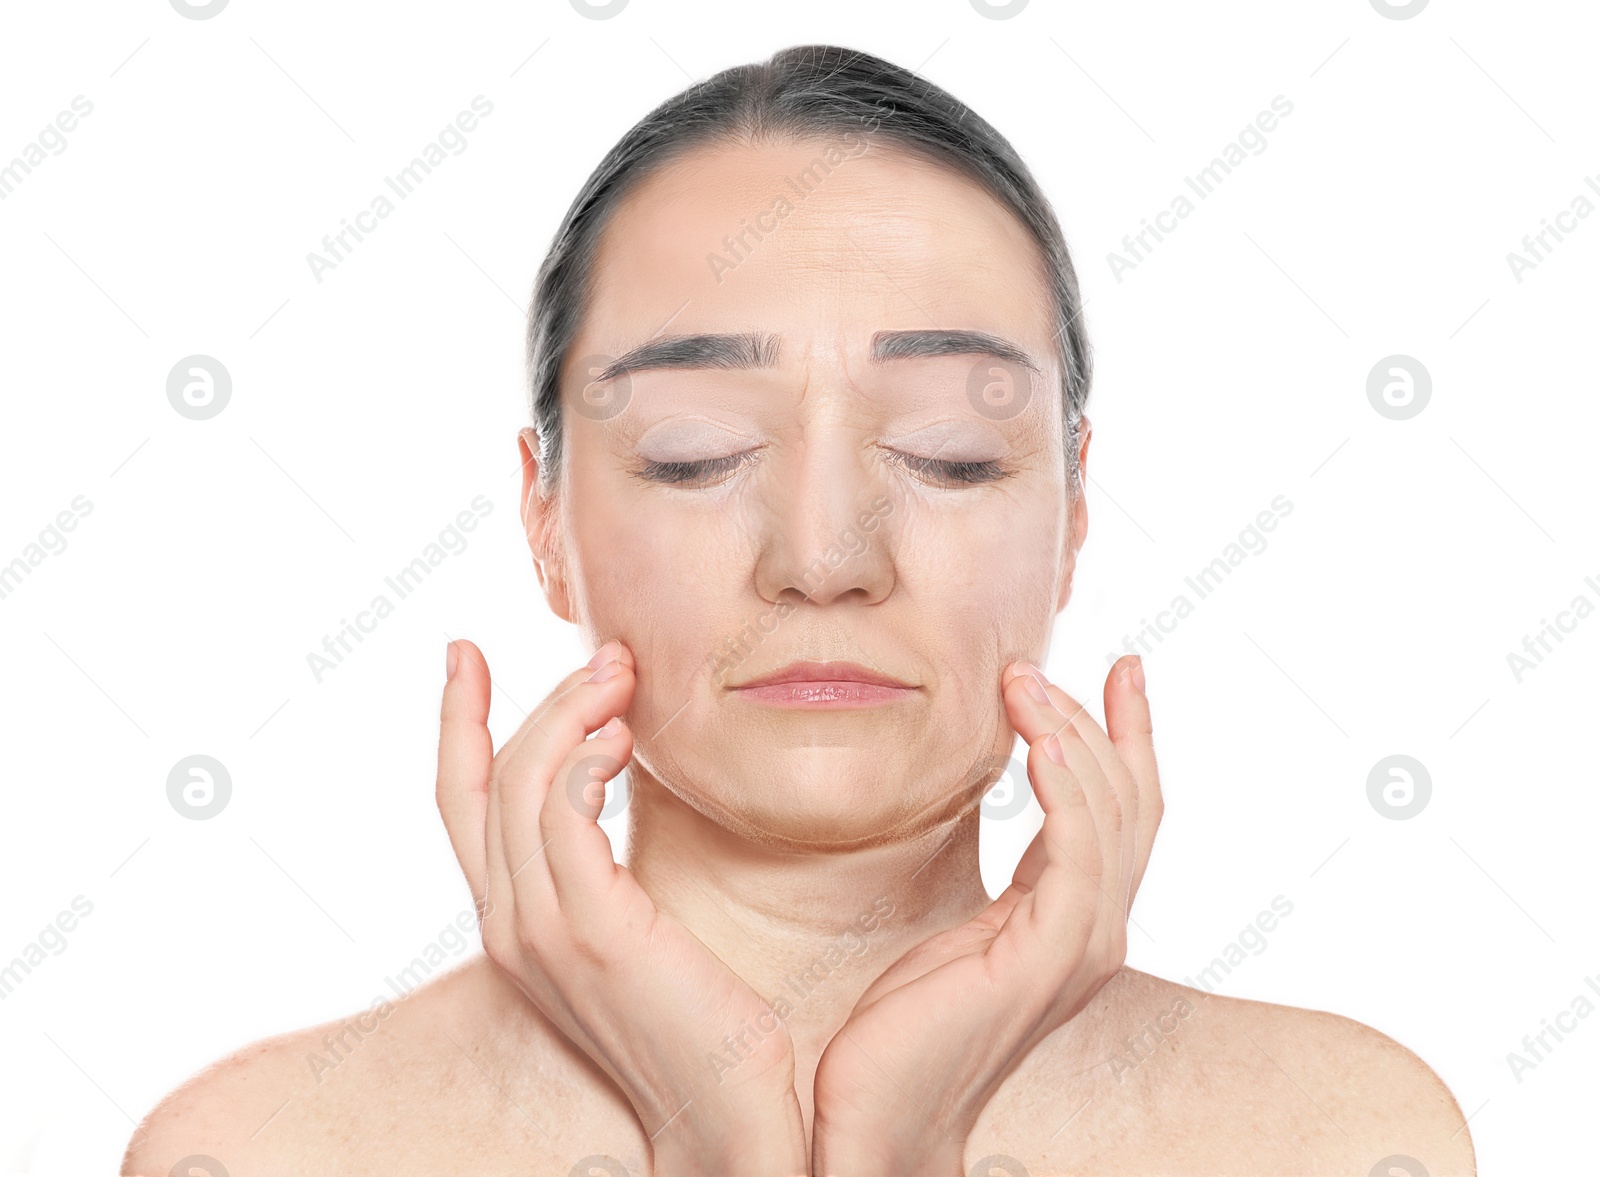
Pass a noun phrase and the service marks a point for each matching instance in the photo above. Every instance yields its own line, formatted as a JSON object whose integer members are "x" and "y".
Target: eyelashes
{"x": 708, "y": 472}
{"x": 703, "y": 472}
{"x": 949, "y": 474}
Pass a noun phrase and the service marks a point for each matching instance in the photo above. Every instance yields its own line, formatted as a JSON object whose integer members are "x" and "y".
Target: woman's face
{"x": 840, "y": 478}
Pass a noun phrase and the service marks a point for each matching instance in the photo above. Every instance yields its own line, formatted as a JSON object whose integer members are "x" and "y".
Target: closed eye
{"x": 950, "y": 474}
{"x": 705, "y": 472}
{"x": 692, "y": 474}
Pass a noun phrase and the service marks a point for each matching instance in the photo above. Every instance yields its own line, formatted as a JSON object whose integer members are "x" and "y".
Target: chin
{"x": 821, "y": 796}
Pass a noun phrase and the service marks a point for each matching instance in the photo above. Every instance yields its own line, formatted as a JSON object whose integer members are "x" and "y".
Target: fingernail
{"x": 1052, "y": 749}
{"x": 1137, "y": 674}
{"x": 606, "y": 673}
{"x": 1035, "y": 688}
{"x": 449, "y": 661}
{"x": 612, "y": 727}
{"x": 606, "y": 653}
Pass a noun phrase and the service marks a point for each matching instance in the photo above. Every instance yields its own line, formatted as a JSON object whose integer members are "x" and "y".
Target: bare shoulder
{"x": 455, "y": 1076}
{"x": 1163, "y": 1078}
{"x": 203, "y": 1119}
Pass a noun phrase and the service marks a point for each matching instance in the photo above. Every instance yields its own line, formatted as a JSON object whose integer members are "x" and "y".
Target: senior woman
{"x": 808, "y": 375}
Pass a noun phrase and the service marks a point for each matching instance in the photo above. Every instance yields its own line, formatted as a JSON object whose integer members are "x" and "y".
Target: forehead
{"x": 821, "y": 241}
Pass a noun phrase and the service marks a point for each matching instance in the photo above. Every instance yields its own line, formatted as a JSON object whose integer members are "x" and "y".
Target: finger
{"x": 582, "y": 867}
{"x": 1068, "y": 899}
{"x": 532, "y": 732}
{"x": 1069, "y": 709}
{"x": 1128, "y": 723}
{"x": 1032, "y": 716}
{"x": 466, "y": 754}
{"x": 1029, "y": 866}
{"x": 1036, "y": 721}
{"x": 528, "y": 778}
{"x": 1111, "y": 838}
{"x": 1023, "y": 879}
{"x": 528, "y": 873}
{"x": 1039, "y": 714}
{"x": 1078, "y": 778}
{"x": 1121, "y": 778}
{"x": 612, "y": 651}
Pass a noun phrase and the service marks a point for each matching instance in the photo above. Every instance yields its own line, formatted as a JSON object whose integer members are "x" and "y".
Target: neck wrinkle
{"x": 812, "y": 928}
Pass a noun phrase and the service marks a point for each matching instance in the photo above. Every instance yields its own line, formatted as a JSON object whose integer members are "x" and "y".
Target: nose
{"x": 825, "y": 534}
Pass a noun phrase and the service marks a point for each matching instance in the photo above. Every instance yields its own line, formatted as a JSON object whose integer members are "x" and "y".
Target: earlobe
{"x": 539, "y": 526}
{"x": 1069, "y": 566}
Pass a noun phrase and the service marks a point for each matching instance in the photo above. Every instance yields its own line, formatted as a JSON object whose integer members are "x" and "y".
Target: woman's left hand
{"x": 901, "y": 1085}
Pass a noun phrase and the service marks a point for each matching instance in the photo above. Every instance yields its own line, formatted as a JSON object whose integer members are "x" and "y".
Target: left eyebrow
{"x": 904, "y": 345}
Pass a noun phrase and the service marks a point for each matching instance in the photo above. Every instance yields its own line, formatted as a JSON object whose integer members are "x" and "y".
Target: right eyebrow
{"x": 748, "y": 350}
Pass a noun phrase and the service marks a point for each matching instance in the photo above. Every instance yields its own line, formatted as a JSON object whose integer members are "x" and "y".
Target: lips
{"x": 825, "y": 672}
{"x": 813, "y": 686}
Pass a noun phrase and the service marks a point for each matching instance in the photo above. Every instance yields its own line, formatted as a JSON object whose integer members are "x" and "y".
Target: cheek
{"x": 983, "y": 593}
{"x": 667, "y": 579}
{"x": 994, "y": 569}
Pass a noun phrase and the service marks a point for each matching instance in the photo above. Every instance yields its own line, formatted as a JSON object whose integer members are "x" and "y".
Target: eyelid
{"x": 978, "y": 442}
{"x": 690, "y": 431}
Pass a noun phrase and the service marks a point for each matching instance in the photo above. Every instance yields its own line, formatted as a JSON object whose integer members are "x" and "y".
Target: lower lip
{"x": 823, "y": 696}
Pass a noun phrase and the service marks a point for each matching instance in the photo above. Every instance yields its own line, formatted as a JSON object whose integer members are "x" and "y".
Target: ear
{"x": 541, "y": 525}
{"x": 1078, "y": 519}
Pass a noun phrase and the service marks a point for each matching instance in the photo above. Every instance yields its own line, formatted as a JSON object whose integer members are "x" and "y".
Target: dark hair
{"x": 802, "y": 92}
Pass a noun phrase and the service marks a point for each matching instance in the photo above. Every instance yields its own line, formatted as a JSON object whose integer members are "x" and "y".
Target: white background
{"x": 369, "y": 408}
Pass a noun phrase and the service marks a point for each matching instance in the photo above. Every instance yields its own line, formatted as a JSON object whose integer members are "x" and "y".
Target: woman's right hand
{"x": 627, "y": 983}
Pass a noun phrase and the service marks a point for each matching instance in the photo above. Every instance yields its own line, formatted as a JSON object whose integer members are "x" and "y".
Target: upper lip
{"x": 825, "y": 672}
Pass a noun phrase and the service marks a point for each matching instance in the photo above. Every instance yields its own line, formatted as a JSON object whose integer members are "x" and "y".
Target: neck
{"x": 808, "y": 930}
